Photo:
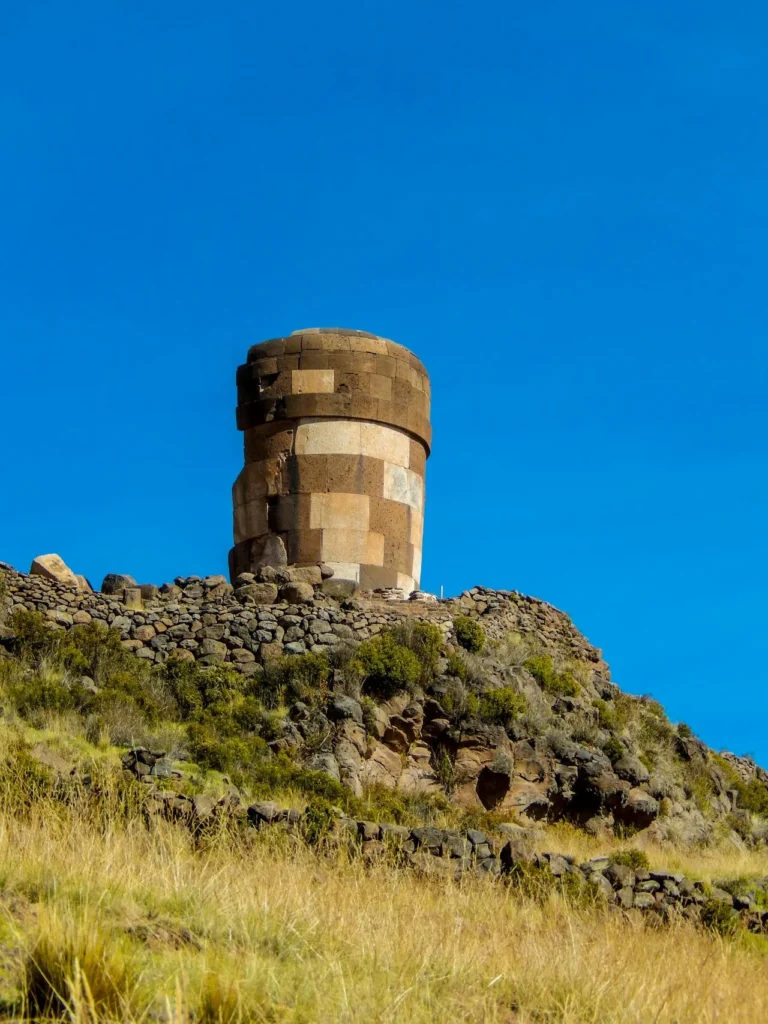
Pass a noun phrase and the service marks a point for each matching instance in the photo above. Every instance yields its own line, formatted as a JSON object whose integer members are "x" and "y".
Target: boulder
{"x": 632, "y": 770}
{"x": 341, "y": 707}
{"x": 115, "y": 583}
{"x": 257, "y": 593}
{"x": 640, "y": 809}
{"x": 296, "y": 593}
{"x": 53, "y": 567}
{"x": 339, "y": 588}
{"x": 305, "y": 574}
{"x": 272, "y": 553}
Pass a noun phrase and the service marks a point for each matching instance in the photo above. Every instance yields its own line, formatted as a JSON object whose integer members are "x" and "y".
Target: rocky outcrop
{"x": 535, "y": 769}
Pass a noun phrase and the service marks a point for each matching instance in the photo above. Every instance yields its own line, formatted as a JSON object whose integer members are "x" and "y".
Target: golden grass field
{"x": 111, "y": 921}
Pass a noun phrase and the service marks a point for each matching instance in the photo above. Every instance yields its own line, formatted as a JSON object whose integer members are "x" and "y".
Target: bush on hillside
{"x": 542, "y": 668}
{"x": 457, "y": 666}
{"x": 633, "y": 858}
{"x": 387, "y": 666}
{"x": 469, "y": 634}
{"x": 297, "y": 677}
{"x": 502, "y": 706}
{"x": 425, "y": 640}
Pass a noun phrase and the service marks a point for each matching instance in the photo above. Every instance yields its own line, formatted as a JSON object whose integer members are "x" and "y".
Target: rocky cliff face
{"x": 530, "y": 727}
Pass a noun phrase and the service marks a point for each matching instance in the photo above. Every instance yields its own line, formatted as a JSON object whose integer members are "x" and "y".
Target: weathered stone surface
{"x": 115, "y": 583}
{"x": 296, "y": 593}
{"x": 53, "y": 567}
{"x": 258, "y": 593}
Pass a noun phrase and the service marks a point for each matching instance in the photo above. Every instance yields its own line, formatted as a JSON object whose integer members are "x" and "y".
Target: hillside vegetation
{"x": 115, "y": 912}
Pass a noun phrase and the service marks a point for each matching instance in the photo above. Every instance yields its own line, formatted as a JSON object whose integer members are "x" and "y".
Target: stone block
{"x": 270, "y": 441}
{"x": 355, "y": 474}
{"x": 305, "y": 574}
{"x": 416, "y": 565}
{"x": 132, "y": 598}
{"x": 339, "y": 511}
{"x": 362, "y": 407}
{"x": 417, "y": 457}
{"x": 415, "y": 528}
{"x": 344, "y": 545}
{"x": 306, "y": 474}
{"x": 305, "y": 382}
{"x": 376, "y": 577}
{"x": 380, "y": 386}
{"x": 250, "y": 520}
{"x": 335, "y": 437}
{"x": 377, "y": 346}
{"x": 403, "y": 485}
{"x": 391, "y": 518}
{"x": 339, "y": 588}
{"x": 305, "y": 546}
{"x": 386, "y": 366}
{"x": 379, "y": 441}
{"x": 343, "y": 570}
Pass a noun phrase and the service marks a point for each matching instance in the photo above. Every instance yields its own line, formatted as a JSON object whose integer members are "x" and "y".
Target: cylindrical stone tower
{"x": 337, "y": 435}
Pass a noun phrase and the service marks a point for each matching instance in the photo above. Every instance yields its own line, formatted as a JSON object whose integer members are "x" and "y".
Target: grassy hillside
{"x": 114, "y": 914}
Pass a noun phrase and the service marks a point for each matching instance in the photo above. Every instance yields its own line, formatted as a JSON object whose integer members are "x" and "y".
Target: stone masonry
{"x": 337, "y": 434}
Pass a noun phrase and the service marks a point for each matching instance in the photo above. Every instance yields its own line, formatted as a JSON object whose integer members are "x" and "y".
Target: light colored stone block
{"x": 344, "y": 545}
{"x": 312, "y": 382}
{"x": 415, "y": 529}
{"x": 374, "y": 549}
{"x": 339, "y": 512}
{"x": 416, "y": 565}
{"x": 345, "y": 570}
{"x": 405, "y": 583}
{"x": 403, "y": 485}
{"x": 386, "y": 443}
{"x": 328, "y": 437}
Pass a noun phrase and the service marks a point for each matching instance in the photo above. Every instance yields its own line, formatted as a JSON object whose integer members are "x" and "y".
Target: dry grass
{"x": 704, "y": 862}
{"x": 131, "y": 925}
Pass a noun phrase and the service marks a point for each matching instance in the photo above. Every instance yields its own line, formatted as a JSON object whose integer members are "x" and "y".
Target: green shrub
{"x": 614, "y": 749}
{"x": 426, "y": 641}
{"x": 233, "y": 754}
{"x": 44, "y": 692}
{"x": 387, "y": 666}
{"x": 469, "y": 634}
{"x": 546, "y": 675}
{"x": 684, "y": 730}
{"x": 720, "y": 918}
{"x": 457, "y": 666}
{"x": 503, "y": 706}
{"x": 318, "y": 823}
{"x": 297, "y": 677}
{"x": 606, "y": 716}
{"x": 633, "y": 858}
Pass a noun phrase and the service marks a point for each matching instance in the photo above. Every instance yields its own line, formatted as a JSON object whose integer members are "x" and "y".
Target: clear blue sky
{"x": 560, "y": 207}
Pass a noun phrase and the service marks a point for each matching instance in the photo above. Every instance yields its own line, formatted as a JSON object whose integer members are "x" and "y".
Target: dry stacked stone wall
{"x": 337, "y": 434}
{"x": 282, "y": 612}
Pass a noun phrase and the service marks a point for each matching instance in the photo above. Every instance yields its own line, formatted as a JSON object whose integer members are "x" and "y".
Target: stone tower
{"x": 337, "y": 435}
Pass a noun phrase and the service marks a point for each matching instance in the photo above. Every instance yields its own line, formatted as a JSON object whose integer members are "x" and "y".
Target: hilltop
{"x": 473, "y": 742}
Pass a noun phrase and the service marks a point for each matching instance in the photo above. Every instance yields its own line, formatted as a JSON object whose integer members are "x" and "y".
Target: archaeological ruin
{"x": 337, "y": 434}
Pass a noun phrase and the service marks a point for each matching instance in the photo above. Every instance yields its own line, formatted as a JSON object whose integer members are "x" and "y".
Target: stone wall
{"x": 286, "y": 611}
{"x": 336, "y": 428}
